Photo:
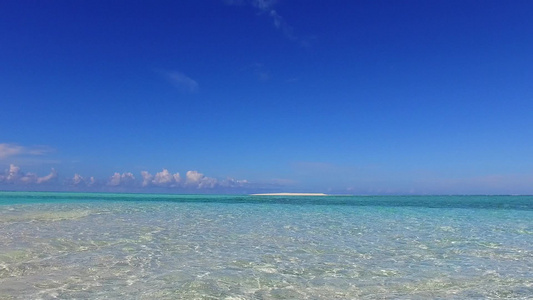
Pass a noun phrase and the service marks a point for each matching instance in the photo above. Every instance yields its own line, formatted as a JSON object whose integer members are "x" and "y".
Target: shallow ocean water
{"x": 108, "y": 246}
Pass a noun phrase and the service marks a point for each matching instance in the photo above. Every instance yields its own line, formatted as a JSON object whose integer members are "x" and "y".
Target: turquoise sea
{"x": 147, "y": 246}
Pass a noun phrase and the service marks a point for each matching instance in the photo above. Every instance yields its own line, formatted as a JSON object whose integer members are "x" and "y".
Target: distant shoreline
{"x": 290, "y": 194}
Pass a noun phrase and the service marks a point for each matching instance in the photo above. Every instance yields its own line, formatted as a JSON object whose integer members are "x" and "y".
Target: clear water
{"x": 108, "y": 246}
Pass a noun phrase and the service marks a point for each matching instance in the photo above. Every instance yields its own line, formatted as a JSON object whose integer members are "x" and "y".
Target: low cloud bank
{"x": 14, "y": 175}
{"x": 118, "y": 179}
{"x": 162, "y": 179}
{"x": 193, "y": 180}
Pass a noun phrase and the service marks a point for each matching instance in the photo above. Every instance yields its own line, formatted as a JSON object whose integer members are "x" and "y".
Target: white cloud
{"x": 121, "y": 179}
{"x": 182, "y": 82}
{"x": 263, "y": 4}
{"x": 199, "y": 180}
{"x": 77, "y": 179}
{"x": 10, "y": 150}
{"x": 267, "y": 7}
{"x": 27, "y": 178}
{"x": 15, "y": 176}
{"x": 163, "y": 179}
{"x": 7, "y": 150}
{"x": 231, "y": 182}
{"x": 114, "y": 180}
{"x": 193, "y": 177}
{"x": 147, "y": 178}
{"x": 208, "y": 182}
{"x": 13, "y": 173}
{"x": 280, "y": 24}
{"x": 47, "y": 178}
{"x": 177, "y": 177}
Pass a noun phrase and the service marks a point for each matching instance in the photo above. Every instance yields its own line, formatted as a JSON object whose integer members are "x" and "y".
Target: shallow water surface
{"x": 105, "y": 246}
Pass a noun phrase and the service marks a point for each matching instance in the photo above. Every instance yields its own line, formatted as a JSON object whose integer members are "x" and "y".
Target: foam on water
{"x": 238, "y": 247}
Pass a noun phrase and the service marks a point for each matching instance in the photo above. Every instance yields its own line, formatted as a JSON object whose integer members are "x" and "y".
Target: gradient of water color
{"x": 107, "y": 246}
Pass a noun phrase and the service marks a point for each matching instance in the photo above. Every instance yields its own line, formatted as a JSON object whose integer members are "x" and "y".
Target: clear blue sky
{"x": 359, "y": 97}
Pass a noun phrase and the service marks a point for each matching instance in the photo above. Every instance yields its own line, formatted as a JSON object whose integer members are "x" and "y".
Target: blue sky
{"x": 357, "y": 97}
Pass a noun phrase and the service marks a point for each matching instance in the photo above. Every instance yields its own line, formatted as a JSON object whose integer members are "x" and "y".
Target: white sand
{"x": 291, "y": 194}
